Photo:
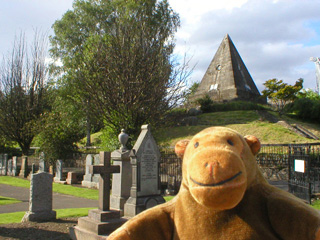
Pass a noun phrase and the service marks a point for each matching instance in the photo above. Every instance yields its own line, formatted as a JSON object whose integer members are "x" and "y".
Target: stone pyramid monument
{"x": 227, "y": 77}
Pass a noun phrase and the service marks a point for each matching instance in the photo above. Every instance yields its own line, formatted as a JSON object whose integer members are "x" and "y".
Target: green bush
{"x": 305, "y": 108}
{"x": 208, "y": 105}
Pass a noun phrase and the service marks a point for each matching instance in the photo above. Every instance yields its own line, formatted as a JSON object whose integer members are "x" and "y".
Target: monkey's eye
{"x": 230, "y": 142}
{"x": 196, "y": 144}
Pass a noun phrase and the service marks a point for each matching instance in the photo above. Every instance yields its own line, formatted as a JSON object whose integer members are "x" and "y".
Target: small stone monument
{"x": 121, "y": 183}
{"x": 24, "y": 167}
{"x": 1, "y": 163}
{"x": 145, "y": 190}
{"x": 9, "y": 172}
{"x": 59, "y": 173}
{"x": 5, "y": 164}
{"x": 40, "y": 203}
{"x": 72, "y": 178}
{"x": 14, "y": 166}
{"x": 42, "y": 163}
{"x": 102, "y": 221}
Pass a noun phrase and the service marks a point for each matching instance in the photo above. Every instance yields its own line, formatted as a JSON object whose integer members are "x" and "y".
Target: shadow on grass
{"x": 58, "y": 229}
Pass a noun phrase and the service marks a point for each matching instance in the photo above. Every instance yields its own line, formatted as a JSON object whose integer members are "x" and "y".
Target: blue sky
{"x": 275, "y": 38}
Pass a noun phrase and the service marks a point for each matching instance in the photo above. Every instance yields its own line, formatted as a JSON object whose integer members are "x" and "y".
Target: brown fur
{"x": 223, "y": 196}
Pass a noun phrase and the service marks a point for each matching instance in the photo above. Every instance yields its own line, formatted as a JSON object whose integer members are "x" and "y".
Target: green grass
{"x": 58, "y": 188}
{"x": 75, "y": 191}
{"x": 6, "y": 218}
{"x": 8, "y": 200}
{"x": 316, "y": 204}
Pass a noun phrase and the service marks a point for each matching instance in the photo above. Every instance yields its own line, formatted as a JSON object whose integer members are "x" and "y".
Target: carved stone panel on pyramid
{"x": 227, "y": 77}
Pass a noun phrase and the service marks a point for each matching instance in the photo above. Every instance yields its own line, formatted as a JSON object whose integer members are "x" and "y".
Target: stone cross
{"x": 105, "y": 170}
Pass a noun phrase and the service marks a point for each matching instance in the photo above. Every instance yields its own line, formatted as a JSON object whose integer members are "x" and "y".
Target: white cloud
{"x": 274, "y": 38}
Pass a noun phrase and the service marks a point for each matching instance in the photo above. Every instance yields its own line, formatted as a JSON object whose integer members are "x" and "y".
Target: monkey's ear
{"x": 181, "y": 147}
{"x": 253, "y": 143}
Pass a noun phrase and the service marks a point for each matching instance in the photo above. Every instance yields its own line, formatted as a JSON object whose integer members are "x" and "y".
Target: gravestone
{"x": 14, "y": 166}
{"x": 59, "y": 172}
{"x": 91, "y": 180}
{"x": 24, "y": 167}
{"x": 102, "y": 221}
{"x": 42, "y": 163}
{"x": 5, "y": 164}
{"x": 72, "y": 178}
{"x": 121, "y": 183}
{"x": 9, "y": 172}
{"x": 145, "y": 161}
{"x": 1, "y": 163}
{"x": 40, "y": 203}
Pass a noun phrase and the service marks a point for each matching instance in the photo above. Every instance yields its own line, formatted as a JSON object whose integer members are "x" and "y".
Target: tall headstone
{"x": 87, "y": 178}
{"x": 102, "y": 221}
{"x": 121, "y": 183}
{"x": 42, "y": 163}
{"x": 40, "y": 203}
{"x": 9, "y": 172}
{"x": 14, "y": 166}
{"x": 59, "y": 172}
{"x": 145, "y": 160}
{"x": 5, "y": 164}
{"x": 1, "y": 163}
{"x": 24, "y": 167}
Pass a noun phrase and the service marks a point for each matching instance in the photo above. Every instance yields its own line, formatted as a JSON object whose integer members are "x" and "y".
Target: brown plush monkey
{"x": 223, "y": 196}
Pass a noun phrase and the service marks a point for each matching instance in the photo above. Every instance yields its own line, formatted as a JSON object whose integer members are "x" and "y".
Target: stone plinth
{"x": 121, "y": 183}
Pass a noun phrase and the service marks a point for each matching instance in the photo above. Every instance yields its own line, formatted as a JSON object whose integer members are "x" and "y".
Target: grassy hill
{"x": 245, "y": 122}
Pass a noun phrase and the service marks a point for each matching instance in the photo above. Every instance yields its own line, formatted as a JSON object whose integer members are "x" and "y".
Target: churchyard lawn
{"x": 15, "y": 217}
{"x": 8, "y": 200}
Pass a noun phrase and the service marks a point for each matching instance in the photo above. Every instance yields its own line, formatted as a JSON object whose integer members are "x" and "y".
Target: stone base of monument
{"x": 135, "y": 206}
{"x": 40, "y": 216}
{"x": 98, "y": 225}
{"x": 118, "y": 203}
{"x": 89, "y": 184}
{"x": 59, "y": 180}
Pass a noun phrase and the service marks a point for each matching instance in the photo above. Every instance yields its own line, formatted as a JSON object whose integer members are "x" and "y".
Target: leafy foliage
{"x": 62, "y": 127}
{"x": 281, "y": 93}
{"x": 118, "y": 55}
{"x": 306, "y": 107}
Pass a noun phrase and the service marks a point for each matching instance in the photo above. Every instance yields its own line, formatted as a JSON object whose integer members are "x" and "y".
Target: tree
{"x": 62, "y": 127}
{"x": 23, "y": 76}
{"x": 281, "y": 93}
{"x": 118, "y": 56}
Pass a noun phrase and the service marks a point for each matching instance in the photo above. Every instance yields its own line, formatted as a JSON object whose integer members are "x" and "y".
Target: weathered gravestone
{"x": 145, "y": 190}
{"x": 102, "y": 221}
{"x": 24, "y": 167}
{"x": 42, "y": 163}
{"x": 14, "y": 166}
{"x": 9, "y": 172}
{"x": 1, "y": 163}
{"x": 91, "y": 180}
{"x": 40, "y": 203}
{"x": 72, "y": 178}
{"x": 59, "y": 172}
{"x": 121, "y": 183}
{"x": 5, "y": 164}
